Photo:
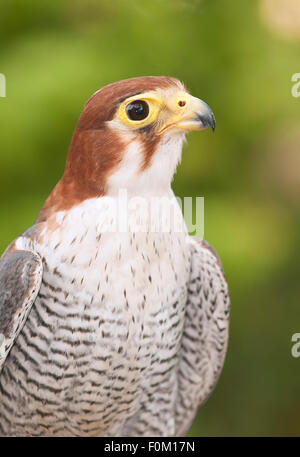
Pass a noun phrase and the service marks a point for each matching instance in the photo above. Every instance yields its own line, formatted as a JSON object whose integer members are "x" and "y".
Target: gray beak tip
{"x": 212, "y": 122}
{"x": 207, "y": 120}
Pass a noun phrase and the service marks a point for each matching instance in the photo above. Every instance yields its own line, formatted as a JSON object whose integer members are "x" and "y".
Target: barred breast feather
{"x": 128, "y": 347}
{"x": 101, "y": 341}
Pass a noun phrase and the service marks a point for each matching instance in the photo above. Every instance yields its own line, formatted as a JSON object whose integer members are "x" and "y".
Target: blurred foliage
{"x": 56, "y": 53}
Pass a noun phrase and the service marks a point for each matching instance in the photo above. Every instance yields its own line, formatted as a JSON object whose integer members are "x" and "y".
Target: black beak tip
{"x": 213, "y": 123}
{"x": 207, "y": 120}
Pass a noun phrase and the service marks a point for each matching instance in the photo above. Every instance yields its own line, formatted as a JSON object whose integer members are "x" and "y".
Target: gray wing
{"x": 205, "y": 334}
{"x": 20, "y": 280}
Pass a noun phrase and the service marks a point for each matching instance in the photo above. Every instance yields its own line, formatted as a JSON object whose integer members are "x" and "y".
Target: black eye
{"x": 138, "y": 110}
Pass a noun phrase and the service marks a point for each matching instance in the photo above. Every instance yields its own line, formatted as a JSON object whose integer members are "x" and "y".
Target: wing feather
{"x": 20, "y": 280}
{"x": 205, "y": 334}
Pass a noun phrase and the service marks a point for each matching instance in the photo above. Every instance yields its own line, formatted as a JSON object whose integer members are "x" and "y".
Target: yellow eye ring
{"x": 144, "y": 109}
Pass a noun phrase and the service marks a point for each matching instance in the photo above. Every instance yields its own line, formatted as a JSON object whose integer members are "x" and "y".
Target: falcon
{"x": 109, "y": 331}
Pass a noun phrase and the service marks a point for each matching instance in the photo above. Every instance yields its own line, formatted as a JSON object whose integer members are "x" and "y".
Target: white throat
{"x": 157, "y": 177}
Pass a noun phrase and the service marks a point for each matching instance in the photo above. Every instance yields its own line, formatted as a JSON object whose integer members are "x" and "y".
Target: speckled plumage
{"x": 110, "y": 333}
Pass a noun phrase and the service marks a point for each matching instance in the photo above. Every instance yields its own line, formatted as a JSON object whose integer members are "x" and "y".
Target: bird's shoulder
{"x": 202, "y": 246}
{"x": 20, "y": 278}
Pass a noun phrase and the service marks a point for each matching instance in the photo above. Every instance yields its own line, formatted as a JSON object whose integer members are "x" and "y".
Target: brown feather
{"x": 96, "y": 150}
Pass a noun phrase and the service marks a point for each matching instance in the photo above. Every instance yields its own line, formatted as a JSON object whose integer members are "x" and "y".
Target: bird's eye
{"x": 137, "y": 110}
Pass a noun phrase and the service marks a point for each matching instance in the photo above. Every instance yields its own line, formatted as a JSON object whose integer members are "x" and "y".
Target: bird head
{"x": 130, "y": 135}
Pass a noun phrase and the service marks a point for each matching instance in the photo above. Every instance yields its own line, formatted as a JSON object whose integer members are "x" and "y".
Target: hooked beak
{"x": 197, "y": 116}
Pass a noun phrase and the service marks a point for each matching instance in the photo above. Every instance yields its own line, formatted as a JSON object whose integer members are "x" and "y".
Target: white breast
{"x": 118, "y": 298}
{"x": 101, "y": 242}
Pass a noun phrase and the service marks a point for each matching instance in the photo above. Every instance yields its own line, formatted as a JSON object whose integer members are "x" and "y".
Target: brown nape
{"x": 92, "y": 157}
{"x": 95, "y": 149}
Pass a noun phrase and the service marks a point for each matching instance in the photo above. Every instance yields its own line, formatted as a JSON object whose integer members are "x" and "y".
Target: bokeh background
{"x": 239, "y": 56}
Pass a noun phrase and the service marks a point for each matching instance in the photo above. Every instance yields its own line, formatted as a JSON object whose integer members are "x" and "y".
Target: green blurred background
{"x": 239, "y": 56}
